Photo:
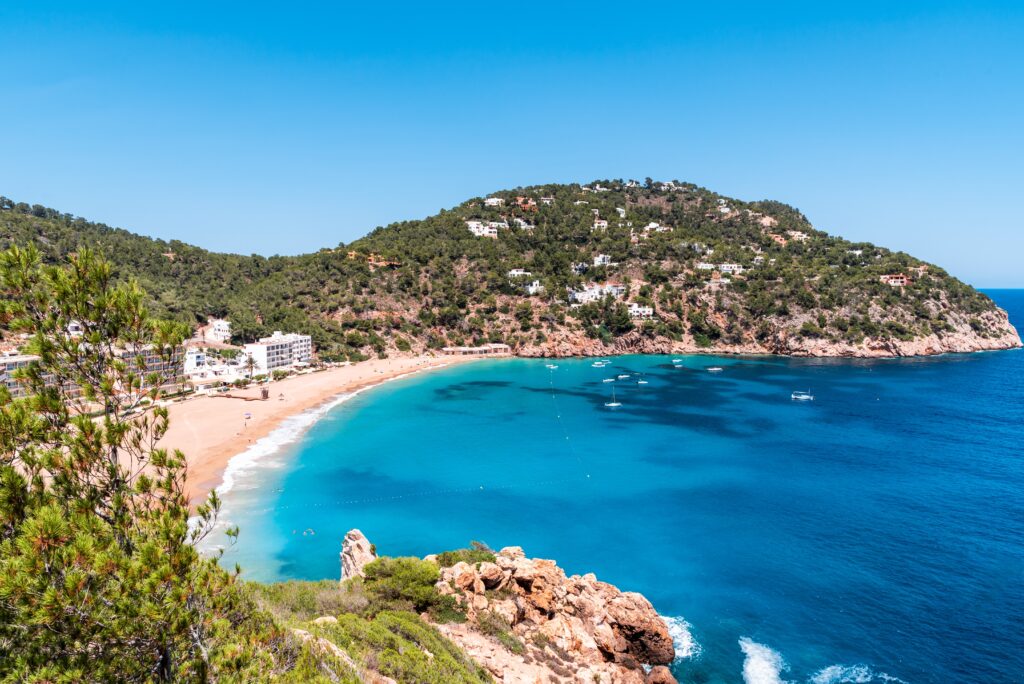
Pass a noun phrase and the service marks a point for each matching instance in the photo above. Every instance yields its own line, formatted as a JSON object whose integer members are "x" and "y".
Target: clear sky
{"x": 286, "y": 127}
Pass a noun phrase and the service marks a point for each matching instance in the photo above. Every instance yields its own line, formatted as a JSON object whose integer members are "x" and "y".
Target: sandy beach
{"x": 210, "y": 430}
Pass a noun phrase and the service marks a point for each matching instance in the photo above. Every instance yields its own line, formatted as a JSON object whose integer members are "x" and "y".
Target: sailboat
{"x": 613, "y": 403}
{"x": 802, "y": 396}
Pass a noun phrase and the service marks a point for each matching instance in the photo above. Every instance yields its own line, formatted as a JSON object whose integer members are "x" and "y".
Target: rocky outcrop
{"x": 356, "y": 552}
{"x": 553, "y": 628}
{"x": 961, "y": 337}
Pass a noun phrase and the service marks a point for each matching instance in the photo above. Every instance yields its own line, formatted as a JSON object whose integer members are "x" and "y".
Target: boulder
{"x": 356, "y": 552}
{"x": 660, "y": 675}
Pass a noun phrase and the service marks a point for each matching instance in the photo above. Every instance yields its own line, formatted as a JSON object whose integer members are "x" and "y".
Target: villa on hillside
{"x": 519, "y": 273}
{"x": 639, "y": 311}
{"x": 494, "y": 202}
{"x": 600, "y": 224}
{"x": 480, "y": 230}
{"x": 595, "y": 293}
{"x": 895, "y": 279}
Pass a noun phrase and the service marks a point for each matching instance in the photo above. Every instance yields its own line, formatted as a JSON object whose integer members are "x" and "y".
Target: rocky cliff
{"x": 529, "y": 623}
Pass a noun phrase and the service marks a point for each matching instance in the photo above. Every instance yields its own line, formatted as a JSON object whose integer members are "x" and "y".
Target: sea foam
{"x": 682, "y": 637}
{"x": 852, "y": 674}
{"x": 761, "y": 664}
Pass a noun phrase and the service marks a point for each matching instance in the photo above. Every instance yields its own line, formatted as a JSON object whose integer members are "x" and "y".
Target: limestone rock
{"x": 325, "y": 620}
{"x": 356, "y": 552}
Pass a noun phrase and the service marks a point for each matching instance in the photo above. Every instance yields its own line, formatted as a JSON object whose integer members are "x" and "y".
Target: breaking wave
{"x": 852, "y": 674}
{"x": 761, "y": 664}
{"x": 682, "y": 637}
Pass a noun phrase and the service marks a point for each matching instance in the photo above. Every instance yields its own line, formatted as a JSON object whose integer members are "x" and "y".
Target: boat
{"x": 677, "y": 360}
{"x": 715, "y": 369}
{"x": 623, "y": 376}
{"x": 641, "y": 382}
{"x": 613, "y": 403}
{"x": 608, "y": 380}
{"x": 598, "y": 364}
{"x": 802, "y": 396}
{"x": 551, "y": 366}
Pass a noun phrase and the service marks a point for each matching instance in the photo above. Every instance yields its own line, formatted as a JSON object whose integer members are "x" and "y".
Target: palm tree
{"x": 250, "y": 365}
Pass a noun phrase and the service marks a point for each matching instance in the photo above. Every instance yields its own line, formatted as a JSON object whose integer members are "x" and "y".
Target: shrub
{"x": 402, "y": 582}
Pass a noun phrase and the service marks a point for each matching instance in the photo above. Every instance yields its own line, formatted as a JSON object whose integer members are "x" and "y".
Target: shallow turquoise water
{"x": 880, "y": 526}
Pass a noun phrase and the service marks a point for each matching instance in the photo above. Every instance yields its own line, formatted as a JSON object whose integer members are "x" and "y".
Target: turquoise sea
{"x": 874, "y": 534}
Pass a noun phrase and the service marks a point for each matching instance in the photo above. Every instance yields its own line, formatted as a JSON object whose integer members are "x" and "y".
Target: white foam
{"x": 761, "y": 664}
{"x": 852, "y": 674}
{"x": 682, "y": 637}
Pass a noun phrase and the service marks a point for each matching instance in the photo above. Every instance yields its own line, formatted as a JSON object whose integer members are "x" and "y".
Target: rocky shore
{"x": 549, "y": 627}
{"x": 962, "y": 338}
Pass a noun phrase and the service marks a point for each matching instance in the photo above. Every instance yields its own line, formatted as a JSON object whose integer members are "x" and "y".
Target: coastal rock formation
{"x": 960, "y": 337}
{"x": 356, "y": 552}
{"x": 528, "y": 622}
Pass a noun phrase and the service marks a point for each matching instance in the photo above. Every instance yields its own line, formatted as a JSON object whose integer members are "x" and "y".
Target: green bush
{"x": 406, "y": 583}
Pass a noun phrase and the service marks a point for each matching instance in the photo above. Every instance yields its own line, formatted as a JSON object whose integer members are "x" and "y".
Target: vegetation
{"x": 100, "y": 579}
{"x": 419, "y": 285}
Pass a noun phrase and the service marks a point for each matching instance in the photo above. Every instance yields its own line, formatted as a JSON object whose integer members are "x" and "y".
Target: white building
{"x": 638, "y": 311}
{"x": 547, "y": 200}
{"x": 280, "y": 351}
{"x": 534, "y": 288}
{"x": 705, "y": 266}
{"x": 797, "y": 235}
{"x": 600, "y": 224}
{"x": 730, "y": 268}
{"x": 497, "y": 224}
{"x": 494, "y": 202}
{"x": 523, "y": 224}
{"x": 595, "y": 293}
{"x": 621, "y": 212}
{"x": 603, "y": 260}
{"x": 9, "y": 363}
{"x": 480, "y": 230}
{"x": 195, "y": 360}
{"x": 519, "y": 273}
{"x": 218, "y": 330}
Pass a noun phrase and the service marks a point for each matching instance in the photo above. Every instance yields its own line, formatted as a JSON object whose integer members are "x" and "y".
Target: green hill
{"x": 423, "y": 284}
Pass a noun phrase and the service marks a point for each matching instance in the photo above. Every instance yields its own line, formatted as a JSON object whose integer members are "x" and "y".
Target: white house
{"x": 218, "y": 330}
{"x": 600, "y": 224}
{"x": 855, "y": 252}
{"x": 595, "y": 293}
{"x": 579, "y": 202}
{"x": 494, "y": 202}
{"x": 632, "y": 184}
{"x": 523, "y": 224}
{"x": 547, "y": 200}
{"x": 519, "y": 273}
{"x": 195, "y": 360}
{"x": 705, "y": 266}
{"x": 480, "y": 230}
{"x": 730, "y": 268}
{"x": 603, "y": 260}
{"x": 621, "y": 212}
{"x": 534, "y": 288}
{"x": 497, "y": 224}
{"x": 638, "y": 311}
{"x": 797, "y": 235}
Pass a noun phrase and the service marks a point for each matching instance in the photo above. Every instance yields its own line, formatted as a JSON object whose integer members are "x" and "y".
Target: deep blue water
{"x": 881, "y": 525}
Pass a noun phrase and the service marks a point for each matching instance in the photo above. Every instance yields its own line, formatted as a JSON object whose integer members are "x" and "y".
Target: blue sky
{"x": 288, "y": 127}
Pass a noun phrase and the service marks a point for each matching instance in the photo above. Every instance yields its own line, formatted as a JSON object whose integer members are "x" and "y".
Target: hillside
{"x": 719, "y": 275}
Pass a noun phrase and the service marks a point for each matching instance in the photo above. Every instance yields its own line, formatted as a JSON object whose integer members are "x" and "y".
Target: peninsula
{"x": 615, "y": 266}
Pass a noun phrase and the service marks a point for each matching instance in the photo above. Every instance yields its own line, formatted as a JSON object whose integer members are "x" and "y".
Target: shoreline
{"x": 212, "y": 431}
